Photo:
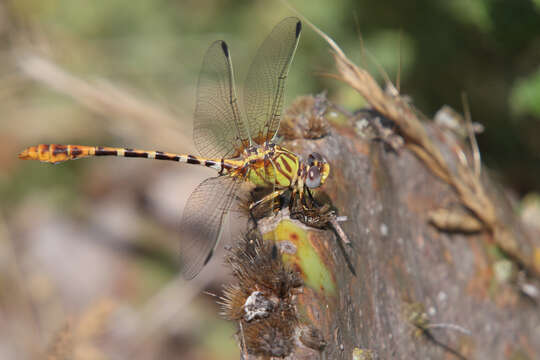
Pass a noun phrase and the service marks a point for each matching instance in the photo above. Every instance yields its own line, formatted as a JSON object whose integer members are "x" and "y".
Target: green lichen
{"x": 363, "y": 354}
{"x": 305, "y": 259}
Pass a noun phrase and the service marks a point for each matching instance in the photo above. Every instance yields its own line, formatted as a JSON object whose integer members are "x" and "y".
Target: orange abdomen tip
{"x": 25, "y": 154}
{"x": 30, "y": 153}
{"x": 46, "y": 153}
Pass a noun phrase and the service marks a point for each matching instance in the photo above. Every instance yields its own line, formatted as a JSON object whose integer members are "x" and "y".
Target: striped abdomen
{"x": 55, "y": 153}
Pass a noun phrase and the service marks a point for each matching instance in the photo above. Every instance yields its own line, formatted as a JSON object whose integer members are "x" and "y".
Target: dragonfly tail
{"x": 55, "y": 153}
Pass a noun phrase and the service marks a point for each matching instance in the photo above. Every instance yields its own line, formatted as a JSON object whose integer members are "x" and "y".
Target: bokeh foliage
{"x": 489, "y": 49}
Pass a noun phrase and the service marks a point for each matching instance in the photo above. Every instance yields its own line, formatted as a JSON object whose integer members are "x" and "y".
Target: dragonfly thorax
{"x": 269, "y": 165}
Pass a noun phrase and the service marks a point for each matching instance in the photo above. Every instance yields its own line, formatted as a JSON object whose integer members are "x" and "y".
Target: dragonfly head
{"x": 317, "y": 171}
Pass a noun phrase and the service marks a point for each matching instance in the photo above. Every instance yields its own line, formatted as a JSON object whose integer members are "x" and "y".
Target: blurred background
{"x": 88, "y": 249}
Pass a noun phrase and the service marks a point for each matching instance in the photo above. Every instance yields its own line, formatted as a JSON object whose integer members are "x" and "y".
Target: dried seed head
{"x": 273, "y": 336}
{"x": 257, "y": 306}
{"x": 305, "y": 118}
{"x": 232, "y": 302}
{"x": 257, "y": 268}
{"x": 262, "y": 298}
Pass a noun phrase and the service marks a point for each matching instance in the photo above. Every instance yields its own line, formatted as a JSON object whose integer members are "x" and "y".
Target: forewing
{"x": 218, "y": 130}
{"x": 202, "y": 222}
{"x": 265, "y": 83}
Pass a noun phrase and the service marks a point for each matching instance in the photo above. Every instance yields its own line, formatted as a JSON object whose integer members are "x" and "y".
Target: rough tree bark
{"x": 439, "y": 265}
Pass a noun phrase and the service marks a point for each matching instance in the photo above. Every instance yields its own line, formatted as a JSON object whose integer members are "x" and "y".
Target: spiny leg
{"x": 251, "y": 211}
{"x": 270, "y": 197}
{"x": 312, "y": 198}
{"x": 275, "y": 174}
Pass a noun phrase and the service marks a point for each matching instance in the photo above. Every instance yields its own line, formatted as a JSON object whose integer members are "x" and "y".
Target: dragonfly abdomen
{"x": 55, "y": 153}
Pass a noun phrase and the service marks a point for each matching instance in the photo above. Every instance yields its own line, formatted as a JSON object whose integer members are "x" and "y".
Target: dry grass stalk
{"x": 62, "y": 345}
{"x": 465, "y": 180}
{"x": 107, "y": 100}
{"x": 76, "y": 339}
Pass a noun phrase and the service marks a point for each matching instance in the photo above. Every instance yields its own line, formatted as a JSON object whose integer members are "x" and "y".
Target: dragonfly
{"x": 240, "y": 146}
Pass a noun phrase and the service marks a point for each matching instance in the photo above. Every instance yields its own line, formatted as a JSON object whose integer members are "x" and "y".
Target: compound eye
{"x": 313, "y": 179}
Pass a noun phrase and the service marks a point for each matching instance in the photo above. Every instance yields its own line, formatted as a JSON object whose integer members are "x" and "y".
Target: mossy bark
{"x": 417, "y": 291}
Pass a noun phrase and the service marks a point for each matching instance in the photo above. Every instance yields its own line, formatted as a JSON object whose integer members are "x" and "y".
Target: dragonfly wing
{"x": 202, "y": 221}
{"x": 265, "y": 83}
{"x": 219, "y": 131}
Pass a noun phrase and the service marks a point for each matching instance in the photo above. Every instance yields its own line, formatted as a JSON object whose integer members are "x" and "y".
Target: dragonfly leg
{"x": 252, "y": 217}
{"x": 269, "y": 197}
{"x": 300, "y": 190}
{"x": 303, "y": 200}
{"x": 312, "y": 199}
